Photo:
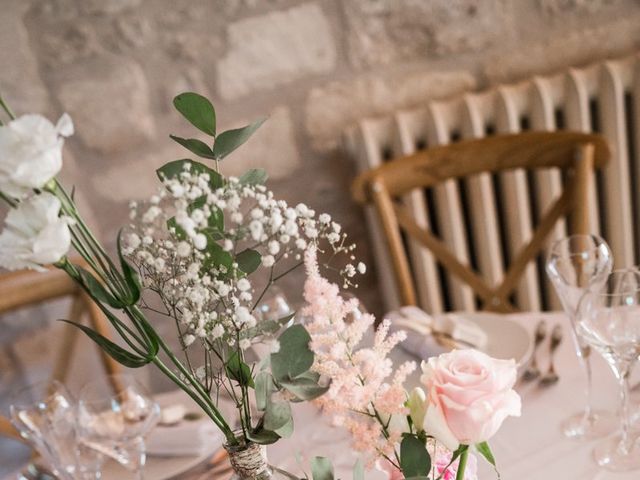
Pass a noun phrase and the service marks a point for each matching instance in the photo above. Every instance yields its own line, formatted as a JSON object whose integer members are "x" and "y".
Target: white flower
{"x": 188, "y": 339}
{"x": 274, "y": 247}
{"x": 31, "y": 153}
{"x": 244, "y": 317}
{"x": 324, "y": 218}
{"x": 133, "y": 241}
{"x": 217, "y": 331}
{"x": 301, "y": 244}
{"x": 362, "y": 268}
{"x": 34, "y": 234}
{"x": 255, "y": 227}
{"x": 243, "y": 284}
{"x": 227, "y": 245}
{"x": 245, "y": 343}
{"x": 268, "y": 261}
{"x": 200, "y": 241}
{"x": 184, "y": 249}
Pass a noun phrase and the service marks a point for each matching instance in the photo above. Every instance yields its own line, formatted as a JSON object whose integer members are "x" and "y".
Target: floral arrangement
{"x": 425, "y": 433}
{"x": 193, "y": 254}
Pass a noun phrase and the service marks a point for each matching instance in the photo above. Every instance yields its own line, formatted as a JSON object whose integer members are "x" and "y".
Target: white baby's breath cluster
{"x": 190, "y": 242}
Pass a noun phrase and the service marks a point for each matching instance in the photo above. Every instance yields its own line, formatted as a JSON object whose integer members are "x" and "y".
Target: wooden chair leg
{"x": 100, "y": 325}
{"x": 69, "y": 339}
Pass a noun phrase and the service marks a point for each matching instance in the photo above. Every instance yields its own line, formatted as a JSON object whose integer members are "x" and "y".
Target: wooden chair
{"x": 28, "y": 288}
{"x": 575, "y": 154}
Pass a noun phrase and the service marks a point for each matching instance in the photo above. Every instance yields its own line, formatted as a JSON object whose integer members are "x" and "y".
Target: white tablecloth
{"x": 531, "y": 447}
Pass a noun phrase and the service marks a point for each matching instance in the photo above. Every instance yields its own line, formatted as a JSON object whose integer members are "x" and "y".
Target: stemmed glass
{"x": 578, "y": 264}
{"x": 610, "y": 323}
{"x": 45, "y": 414}
{"x": 115, "y": 424}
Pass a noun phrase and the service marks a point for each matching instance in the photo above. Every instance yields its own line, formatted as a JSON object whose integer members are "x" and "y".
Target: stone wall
{"x": 313, "y": 66}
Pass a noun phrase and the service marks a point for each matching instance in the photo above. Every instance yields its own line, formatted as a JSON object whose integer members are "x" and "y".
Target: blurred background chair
{"x": 490, "y": 278}
{"x": 24, "y": 289}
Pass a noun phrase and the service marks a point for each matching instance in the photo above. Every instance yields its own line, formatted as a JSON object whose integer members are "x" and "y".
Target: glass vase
{"x": 249, "y": 462}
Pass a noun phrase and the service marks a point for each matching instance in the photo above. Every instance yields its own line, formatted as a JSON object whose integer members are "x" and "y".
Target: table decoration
{"x": 192, "y": 254}
{"x": 407, "y": 434}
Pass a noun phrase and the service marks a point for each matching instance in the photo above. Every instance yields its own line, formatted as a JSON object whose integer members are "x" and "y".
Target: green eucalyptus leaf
{"x": 294, "y": 357}
{"x": 151, "y": 337}
{"x": 238, "y": 370}
{"x": 255, "y": 176}
{"x": 263, "y": 437}
{"x": 216, "y": 256}
{"x": 414, "y": 457}
{"x": 286, "y": 430}
{"x": 321, "y": 468}
{"x": 131, "y": 278}
{"x": 304, "y": 388}
{"x": 277, "y": 414}
{"x": 248, "y": 260}
{"x": 96, "y": 289}
{"x": 114, "y": 350}
{"x": 265, "y": 386}
{"x": 198, "y": 110}
{"x": 228, "y": 141}
{"x": 195, "y": 146}
{"x": 266, "y": 327}
{"x": 176, "y": 167}
{"x": 358, "y": 470}
{"x": 484, "y": 450}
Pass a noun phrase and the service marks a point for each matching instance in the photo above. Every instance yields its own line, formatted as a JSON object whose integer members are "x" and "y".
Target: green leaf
{"x": 173, "y": 170}
{"x": 130, "y": 277}
{"x": 263, "y": 437}
{"x": 198, "y": 110}
{"x": 97, "y": 291}
{"x": 115, "y": 351}
{"x": 195, "y": 146}
{"x": 178, "y": 230}
{"x": 358, "y": 470}
{"x": 294, "y": 357}
{"x": 228, "y": 141}
{"x": 248, "y": 260}
{"x": 151, "y": 337}
{"x": 484, "y": 450}
{"x": 255, "y": 176}
{"x": 321, "y": 468}
{"x": 238, "y": 370}
{"x": 277, "y": 414}
{"x": 286, "y": 430}
{"x": 266, "y": 327}
{"x": 216, "y": 256}
{"x": 265, "y": 386}
{"x": 304, "y": 388}
{"x": 414, "y": 457}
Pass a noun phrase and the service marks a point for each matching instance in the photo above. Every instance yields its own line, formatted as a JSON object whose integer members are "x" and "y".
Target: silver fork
{"x": 532, "y": 371}
{"x": 551, "y": 377}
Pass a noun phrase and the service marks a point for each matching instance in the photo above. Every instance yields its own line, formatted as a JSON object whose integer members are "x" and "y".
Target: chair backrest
{"x": 27, "y": 288}
{"x": 387, "y": 187}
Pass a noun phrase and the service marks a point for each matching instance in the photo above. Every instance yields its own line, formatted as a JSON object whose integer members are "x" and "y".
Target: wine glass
{"x": 609, "y": 321}
{"x": 273, "y": 306}
{"x": 576, "y": 265}
{"x": 115, "y": 423}
{"x": 45, "y": 414}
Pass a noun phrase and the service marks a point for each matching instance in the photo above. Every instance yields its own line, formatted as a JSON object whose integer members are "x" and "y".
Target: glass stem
{"x": 623, "y": 378}
{"x": 586, "y": 365}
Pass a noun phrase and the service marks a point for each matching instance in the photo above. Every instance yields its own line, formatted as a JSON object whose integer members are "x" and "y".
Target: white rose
{"x": 34, "y": 234}
{"x": 31, "y": 153}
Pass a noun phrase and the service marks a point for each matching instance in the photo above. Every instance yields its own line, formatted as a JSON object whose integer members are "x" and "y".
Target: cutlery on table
{"x": 551, "y": 377}
{"x": 532, "y": 371}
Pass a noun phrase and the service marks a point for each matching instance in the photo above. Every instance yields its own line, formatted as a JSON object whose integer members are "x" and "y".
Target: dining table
{"x": 529, "y": 447}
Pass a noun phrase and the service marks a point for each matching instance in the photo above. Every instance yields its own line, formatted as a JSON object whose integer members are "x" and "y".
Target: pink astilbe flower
{"x": 362, "y": 396}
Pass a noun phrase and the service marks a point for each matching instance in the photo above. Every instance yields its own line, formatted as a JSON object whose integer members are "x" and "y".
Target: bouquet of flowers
{"x": 414, "y": 434}
{"x": 192, "y": 254}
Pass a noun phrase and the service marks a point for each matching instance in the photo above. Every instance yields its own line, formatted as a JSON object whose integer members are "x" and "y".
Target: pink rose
{"x": 470, "y": 394}
{"x": 441, "y": 462}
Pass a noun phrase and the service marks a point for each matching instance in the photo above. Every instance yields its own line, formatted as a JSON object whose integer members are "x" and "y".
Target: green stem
{"x": 462, "y": 465}
{"x": 9, "y": 200}
{"x": 6, "y": 108}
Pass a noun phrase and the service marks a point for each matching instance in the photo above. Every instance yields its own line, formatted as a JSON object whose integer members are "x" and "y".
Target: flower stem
{"x": 462, "y": 466}
{"x": 6, "y": 108}
{"x": 7, "y": 199}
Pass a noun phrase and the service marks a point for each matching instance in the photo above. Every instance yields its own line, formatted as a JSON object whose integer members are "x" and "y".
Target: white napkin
{"x": 418, "y": 324}
{"x": 187, "y": 438}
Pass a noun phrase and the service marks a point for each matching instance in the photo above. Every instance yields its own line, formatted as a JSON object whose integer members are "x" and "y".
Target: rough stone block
{"x": 385, "y": 31}
{"x": 334, "y": 107}
{"x": 274, "y": 49}
{"x": 108, "y": 98}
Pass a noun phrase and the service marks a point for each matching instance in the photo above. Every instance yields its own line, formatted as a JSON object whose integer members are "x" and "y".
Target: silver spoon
{"x": 532, "y": 371}
{"x": 551, "y": 377}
